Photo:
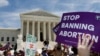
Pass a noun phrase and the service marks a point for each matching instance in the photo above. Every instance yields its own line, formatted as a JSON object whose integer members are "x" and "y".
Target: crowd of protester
{"x": 10, "y": 50}
{"x": 83, "y": 49}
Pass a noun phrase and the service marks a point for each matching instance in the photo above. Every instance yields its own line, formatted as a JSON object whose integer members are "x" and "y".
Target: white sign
{"x": 30, "y": 45}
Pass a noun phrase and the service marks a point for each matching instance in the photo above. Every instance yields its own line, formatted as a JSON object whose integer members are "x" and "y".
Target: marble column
{"x": 44, "y": 31}
{"x": 49, "y": 28}
{"x": 22, "y": 24}
{"x": 27, "y": 32}
{"x": 54, "y": 36}
{"x": 38, "y": 26}
{"x": 33, "y": 28}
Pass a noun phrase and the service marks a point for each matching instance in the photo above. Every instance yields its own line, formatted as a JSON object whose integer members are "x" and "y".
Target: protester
{"x": 37, "y": 54}
{"x": 5, "y": 53}
{"x": 44, "y": 52}
{"x": 15, "y": 47}
{"x": 75, "y": 51}
{"x": 46, "y": 45}
{"x": 65, "y": 50}
{"x": 57, "y": 51}
{"x": 21, "y": 53}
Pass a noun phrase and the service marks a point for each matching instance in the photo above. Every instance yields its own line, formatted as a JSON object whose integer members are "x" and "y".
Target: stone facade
{"x": 39, "y": 24}
{"x": 8, "y": 35}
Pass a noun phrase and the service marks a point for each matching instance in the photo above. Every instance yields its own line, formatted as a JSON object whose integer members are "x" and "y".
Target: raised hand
{"x": 84, "y": 46}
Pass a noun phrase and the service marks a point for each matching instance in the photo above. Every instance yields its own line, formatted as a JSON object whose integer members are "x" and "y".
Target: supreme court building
{"x": 39, "y": 24}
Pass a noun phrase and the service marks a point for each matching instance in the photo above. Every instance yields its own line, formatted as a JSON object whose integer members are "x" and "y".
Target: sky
{"x": 10, "y": 10}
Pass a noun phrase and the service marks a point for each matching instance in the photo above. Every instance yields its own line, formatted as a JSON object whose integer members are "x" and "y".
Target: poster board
{"x": 77, "y": 23}
{"x": 30, "y": 47}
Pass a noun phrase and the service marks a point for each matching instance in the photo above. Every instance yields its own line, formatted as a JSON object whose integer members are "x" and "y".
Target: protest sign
{"x": 30, "y": 45}
{"x": 77, "y": 23}
{"x": 56, "y": 28}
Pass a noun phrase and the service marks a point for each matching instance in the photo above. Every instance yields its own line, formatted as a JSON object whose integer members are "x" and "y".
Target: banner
{"x": 30, "y": 45}
{"x": 77, "y": 23}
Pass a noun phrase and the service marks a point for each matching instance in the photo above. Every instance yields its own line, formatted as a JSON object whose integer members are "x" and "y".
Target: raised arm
{"x": 84, "y": 46}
